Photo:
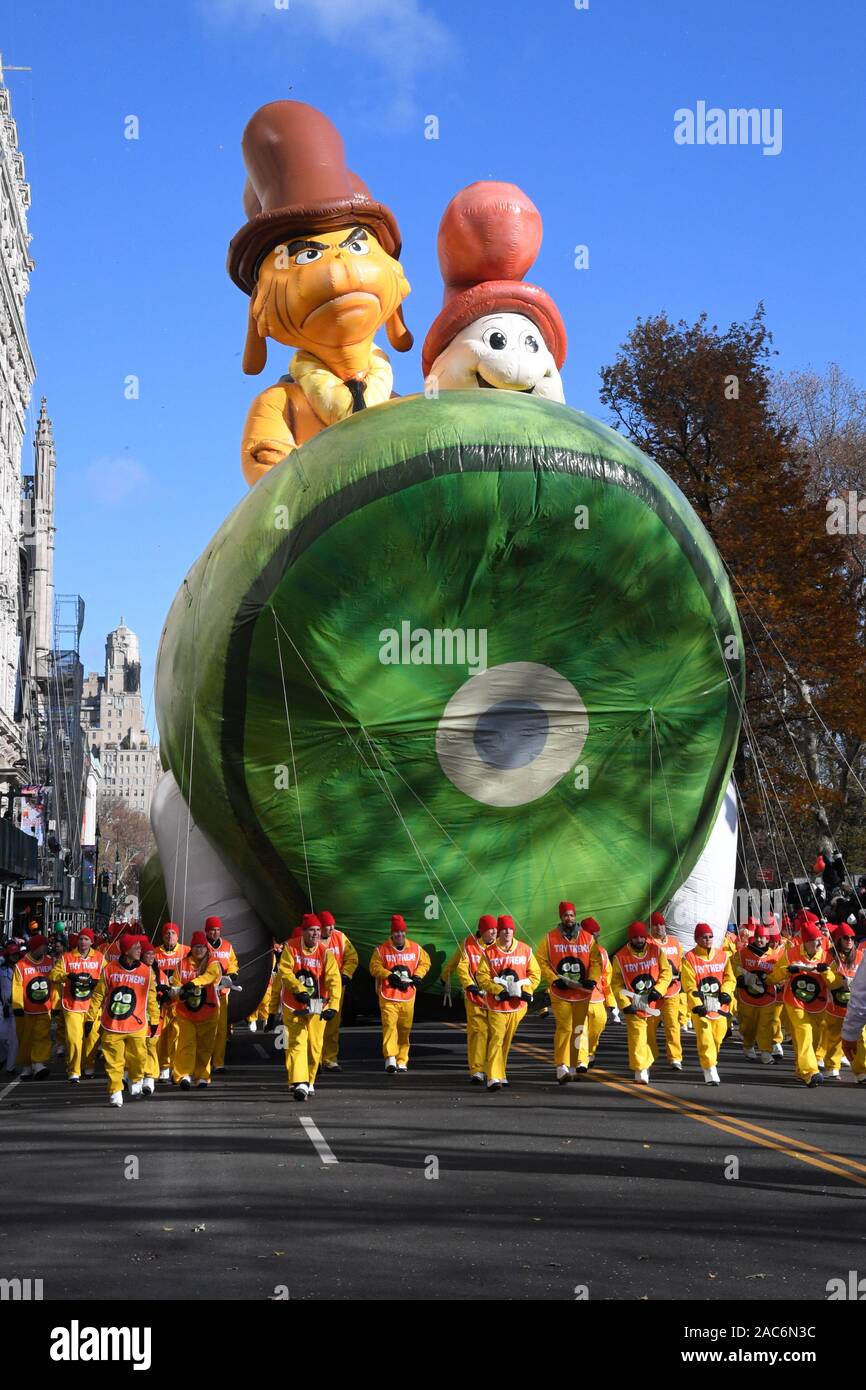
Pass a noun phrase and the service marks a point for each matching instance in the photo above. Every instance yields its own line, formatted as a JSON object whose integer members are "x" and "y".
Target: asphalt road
{"x": 751, "y": 1191}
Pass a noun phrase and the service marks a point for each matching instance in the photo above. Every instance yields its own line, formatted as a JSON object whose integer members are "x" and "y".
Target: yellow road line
{"x": 728, "y": 1124}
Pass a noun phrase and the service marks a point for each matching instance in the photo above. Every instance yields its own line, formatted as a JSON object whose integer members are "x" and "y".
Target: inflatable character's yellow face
{"x": 328, "y": 291}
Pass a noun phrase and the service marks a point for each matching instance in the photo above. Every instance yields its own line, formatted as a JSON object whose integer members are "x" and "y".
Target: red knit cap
{"x": 802, "y": 917}
{"x": 198, "y": 938}
{"x": 505, "y": 923}
{"x": 85, "y": 932}
{"x": 170, "y": 926}
{"x": 36, "y": 940}
{"x": 704, "y": 929}
{"x": 310, "y": 920}
{"x": 213, "y": 924}
{"x": 636, "y": 931}
{"x": 127, "y": 940}
{"x": 591, "y": 925}
{"x": 327, "y": 919}
{"x": 486, "y": 922}
{"x": 810, "y": 931}
{"x": 398, "y": 923}
{"x": 565, "y": 907}
{"x": 658, "y": 920}
{"x": 843, "y": 930}
{"x": 489, "y": 236}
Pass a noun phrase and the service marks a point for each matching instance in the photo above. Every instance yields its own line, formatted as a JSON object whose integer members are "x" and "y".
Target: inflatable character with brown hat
{"x": 319, "y": 259}
{"x": 494, "y": 329}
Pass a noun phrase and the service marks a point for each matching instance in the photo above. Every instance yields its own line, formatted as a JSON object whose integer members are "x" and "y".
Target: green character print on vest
{"x": 842, "y": 995}
{"x": 194, "y": 996}
{"x": 121, "y": 1003}
{"x": 37, "y": 989}
{"x": 571, "y": 968}
{"x": 806, "y": 988}
{"x": 82, "y": 985}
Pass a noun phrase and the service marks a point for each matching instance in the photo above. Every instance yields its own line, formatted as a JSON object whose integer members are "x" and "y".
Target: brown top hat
{"x": 489, "y": 237}
{"x": 298, "y": 181}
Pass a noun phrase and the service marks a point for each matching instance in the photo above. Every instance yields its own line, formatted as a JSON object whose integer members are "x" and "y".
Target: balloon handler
{"x": 670, "y": 1008}
{"x": 32, "y": 999}
{"x": 465, "y": 963}
{"x": 398, "y": 966}
{"x": 801, "y": 970}
{"x": 509, "y": 974}
{"x": 319, "y": 259}
{"x": 563, "y": 958}
{"x": 125, "y": 1004}
{"x": 75, "y": 975}
{"x": 169, "y": 954}
{"x": 224, "y": 952}
{"x": 640, "y": 978}
{"x": 195, "y": 990}
{"x": 753, "y": 965}
{"x": 847, "y": 962}
{"x": 709, "y": 982}
{"x": 338, "y": 945}
{"x": 310, "y": 993}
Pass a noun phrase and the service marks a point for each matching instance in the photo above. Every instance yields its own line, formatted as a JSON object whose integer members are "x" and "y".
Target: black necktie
{"x": 356, "y": 391}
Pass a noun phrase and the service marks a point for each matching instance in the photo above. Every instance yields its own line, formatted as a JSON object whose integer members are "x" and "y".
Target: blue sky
{"x": 575, "y": 106}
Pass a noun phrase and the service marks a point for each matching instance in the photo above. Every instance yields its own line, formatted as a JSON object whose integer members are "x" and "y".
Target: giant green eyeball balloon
{"x": 457, "y": 655}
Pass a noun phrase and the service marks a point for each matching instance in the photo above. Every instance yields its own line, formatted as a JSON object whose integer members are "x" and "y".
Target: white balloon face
{"x": 505, "y": 352}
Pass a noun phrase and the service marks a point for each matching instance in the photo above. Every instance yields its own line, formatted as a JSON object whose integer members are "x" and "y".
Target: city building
{"x": 114, "y": 721}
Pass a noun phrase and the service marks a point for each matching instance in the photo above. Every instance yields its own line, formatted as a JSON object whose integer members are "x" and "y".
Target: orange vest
{"x": 758, "y": 965}
{"x": 168, "y": 961}
{"x": 709, "y": 975}
{"x": 674, "y": 952}
{"x": 512, "y": 964}
{"x": 405, "y": 962}
{"x": 82, "y": 973}
{"x": 36, "y": 991}
{"x": 112, "y": 951}
{"x": 569, "y": 957}
{"x": 837, "y": 999}
{"x": 124, "y": 1008}
{"x": 201, "y": 1005}
{"x": 474, "y": 950}
{"x": 806, "y": 990}
{"x": 336, "y": 946}
{"x": 598, "y": 994}
{"x": 639, "y": 973}
{"x": 223, "y": 953}
{"x": 309, "y": 968}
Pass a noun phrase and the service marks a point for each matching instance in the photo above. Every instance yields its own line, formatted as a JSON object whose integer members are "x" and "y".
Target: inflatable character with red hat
{"x": 494, "y": 330}
{"x": 319, "y": 258}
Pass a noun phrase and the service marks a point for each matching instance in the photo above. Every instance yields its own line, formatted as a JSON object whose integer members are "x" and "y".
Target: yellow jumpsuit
{"x": 124, "y": 1052}
{"x": 807, "y": 1028}
{"x": 596, "y": 1018}
{"x": 331, "y": 1043}
{"x": 193, "y": 1052}
{"x": 710, "y": 1032}
{"x": 757, "y": 1021}
{"x": 305, "y": 1032}
{"x": 670, "y": 1016}
{"x": 80, "y": 1050}
{"x": 167, "y": 1040}
{"x": 640, "y": 1056}
{"x": 397, "y": 1015}
{"x": 569, "y": 1014}
{"x": 503, "y": 1024}
{"x": 476, "y": 1010}
{"x": 833, "y": 1020}
{"x": 33, "y": 1029}
{"x": 229, "y": 967}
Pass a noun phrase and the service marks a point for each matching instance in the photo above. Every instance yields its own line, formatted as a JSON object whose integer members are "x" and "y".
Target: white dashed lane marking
{"x": 323, "y": 1149}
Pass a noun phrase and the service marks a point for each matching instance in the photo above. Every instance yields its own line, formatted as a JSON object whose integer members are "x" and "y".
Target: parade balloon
{"x": 153, "y": 906}
{"x": 457, "y": 655}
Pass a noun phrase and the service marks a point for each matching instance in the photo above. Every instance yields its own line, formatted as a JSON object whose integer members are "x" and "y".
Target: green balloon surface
{"x": 454, "y": 656}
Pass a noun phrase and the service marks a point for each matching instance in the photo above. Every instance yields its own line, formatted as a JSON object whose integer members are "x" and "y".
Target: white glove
{"x": 446, "y": 995}
{"x": 615, "y": 1014}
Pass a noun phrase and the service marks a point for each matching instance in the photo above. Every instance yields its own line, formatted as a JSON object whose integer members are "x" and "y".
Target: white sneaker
{"x": 202, "y": 1082}
{"x": 38, "y": 1069}
{"x": 477, "y": 1078}
{"x": 401, "y": 1066}
{"x": 390, "y": 1065}
{"x": 642, "y": 1077}
{"x": 861, "y": 1078}
{"x": 165, "y": 1074}
{"x": 147, "y": 1086}
{"x": 714, "y": 1076}
{"x": 254, "y": 1027}
{"x": 687, "y": 1026}
{"x": 562, "y": 1075}
{"x": 73, "y": 1077}
{"x": 751, "y": 1053}
{"x": 301, "y": 1091}
{"x": 834, "y": 1075}
{"x": 116, "y": 1098}
{"x": 505, "y": 1083}
{"x": 845, "y": 1062}
{"x": 677, "y": 1066}
{"x": 135, "y": 1088}
{"x": 767, "y": 1058}
{"x": 311, "y": 1090}
{"x": 777, "y": 1050}
{"x": 821, "y": 1064}
{"x": 708, "y": 1076}
{"x": 25, "y": 1072}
